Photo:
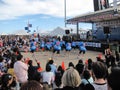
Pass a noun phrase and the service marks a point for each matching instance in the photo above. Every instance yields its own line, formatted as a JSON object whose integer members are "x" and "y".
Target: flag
{"x": 26, "y": 28}
{"x": 28, "y": 31}
{"x": 29, "y": 25}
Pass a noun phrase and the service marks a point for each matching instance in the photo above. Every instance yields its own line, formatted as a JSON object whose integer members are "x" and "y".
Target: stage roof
{"x": 98, "y": 16}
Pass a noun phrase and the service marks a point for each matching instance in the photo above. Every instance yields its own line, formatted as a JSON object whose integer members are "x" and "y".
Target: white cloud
{"x": 11, "y": 9}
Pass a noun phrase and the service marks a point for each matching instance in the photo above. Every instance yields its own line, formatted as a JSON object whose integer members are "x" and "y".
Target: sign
{"x": 93, "y": 44}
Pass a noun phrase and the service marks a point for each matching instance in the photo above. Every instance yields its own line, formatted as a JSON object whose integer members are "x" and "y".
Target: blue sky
{"x": 44, "y": 14}
{"x": 43, "y": 22}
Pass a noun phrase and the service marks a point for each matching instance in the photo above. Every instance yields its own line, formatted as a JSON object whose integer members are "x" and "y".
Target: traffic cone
{"x": 100, "y": 55}
{"x": 63, "y": 65}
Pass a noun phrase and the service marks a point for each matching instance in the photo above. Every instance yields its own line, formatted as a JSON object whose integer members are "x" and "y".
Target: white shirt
{"x": 48, "y": 77}
{"x": 21, "y": 71}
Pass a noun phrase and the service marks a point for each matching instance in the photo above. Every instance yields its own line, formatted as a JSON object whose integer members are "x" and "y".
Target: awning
{"x": 98, "y": 16}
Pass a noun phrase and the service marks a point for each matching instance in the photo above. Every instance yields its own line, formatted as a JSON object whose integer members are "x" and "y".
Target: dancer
{"x": 68, "y": 48}
{"x": 82, "y": 49}
{"x": 32, "y": 46}
{"x": 73, "y": 44}
{"x": 42, "y": 45}
{"x": 56, "y": 48}
{"x": 48, "y": 46}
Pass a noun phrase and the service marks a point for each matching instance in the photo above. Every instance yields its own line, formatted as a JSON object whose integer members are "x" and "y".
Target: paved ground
{"x": 43, "y": 57}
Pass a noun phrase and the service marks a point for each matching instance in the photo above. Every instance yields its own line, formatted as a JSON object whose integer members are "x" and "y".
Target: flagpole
{"x": 65, "y": 12}
{"x": 28, "y": 23}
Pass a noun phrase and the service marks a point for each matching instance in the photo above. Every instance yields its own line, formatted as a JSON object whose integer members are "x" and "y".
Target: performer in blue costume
{"x": 73, "y": 44}
{"x": 62, "y": 44}
{"x": 68, "y": 49}
{"x": 82, "y": 48}
{"x": 48, "y": 46}
{"x": 68, "y": 46}
{"x": 32, "y": 46}
{"x": 56, "y": 48}
{"x": 42, "y": 45}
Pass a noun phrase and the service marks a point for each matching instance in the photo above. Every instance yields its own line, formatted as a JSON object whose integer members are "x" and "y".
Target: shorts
{"x": 81, "y": 51}
{"x": 58, "y": 51}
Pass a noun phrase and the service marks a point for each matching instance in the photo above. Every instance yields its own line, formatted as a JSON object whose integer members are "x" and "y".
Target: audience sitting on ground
{"x": 3, "y": 66}
{"x": 89, "y": 67}
{"x": 48, "y": 78}
{"x": 10, "y": 56}
{"x": 87, "y": 81}
{"x": 99, "y": 74}
{"x": 58, "y": 76}
{"x": 117, "y": 56}
{"x": 6, "y": 82}
{"x": 53, "y": 66}
{"x": 87, "y": 78}
{"x": 31, "y": 85}
{"x": 80, "y": 67}
{"x": 71, "y": 65}
{"x": 114, "y": 79}
{"x": 71, "y": 80}
{"x": 32, "y": 71}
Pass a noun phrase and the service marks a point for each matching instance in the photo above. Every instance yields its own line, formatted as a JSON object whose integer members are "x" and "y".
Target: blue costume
{"x": 32, "y": 46}
{"x": 42, "y": 44}
{"x": 48, "y": 45}
{"x": 62, "y": 44}
{"x": 57, "y": 47}
{"x": 82, "y": 48}
{"x": 68, "y": 47}
{"x": 73, "y": 45}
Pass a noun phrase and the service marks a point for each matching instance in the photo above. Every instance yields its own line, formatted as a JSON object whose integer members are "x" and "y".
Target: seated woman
{"x": 70, "y": 80}
{"x": 48, "y": 77}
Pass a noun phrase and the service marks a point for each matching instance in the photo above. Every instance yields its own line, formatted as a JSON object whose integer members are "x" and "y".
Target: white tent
{"x": 21, "y": 32}
{"x": 57, "y": 31}
{"x": 3, "y": 33}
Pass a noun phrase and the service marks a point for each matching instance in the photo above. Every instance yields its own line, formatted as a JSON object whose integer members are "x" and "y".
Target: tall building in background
{"x": 100, "y": 4}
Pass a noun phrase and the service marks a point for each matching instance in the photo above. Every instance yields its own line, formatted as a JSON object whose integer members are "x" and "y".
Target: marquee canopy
{"x": 98, "y": 16}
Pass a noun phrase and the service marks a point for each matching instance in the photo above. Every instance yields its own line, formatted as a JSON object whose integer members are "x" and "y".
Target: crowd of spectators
{"x": 16, "y": 73}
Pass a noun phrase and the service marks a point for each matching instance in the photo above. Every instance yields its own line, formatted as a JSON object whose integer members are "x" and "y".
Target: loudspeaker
{"x": 67, "y": 31}
{"x": 106, "y": 30}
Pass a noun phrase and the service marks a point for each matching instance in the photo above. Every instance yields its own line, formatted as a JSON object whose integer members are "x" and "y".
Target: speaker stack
{"x": 67, "y": 31}
{"x": 106, "y": 30}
